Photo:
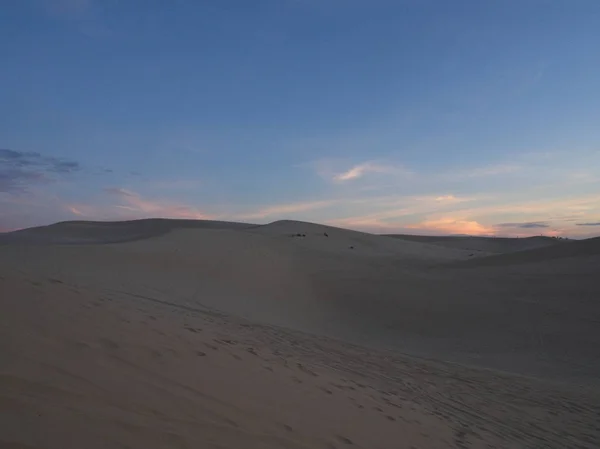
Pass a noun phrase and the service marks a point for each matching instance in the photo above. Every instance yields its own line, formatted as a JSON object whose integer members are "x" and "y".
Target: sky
{"x": 386, "y": 116}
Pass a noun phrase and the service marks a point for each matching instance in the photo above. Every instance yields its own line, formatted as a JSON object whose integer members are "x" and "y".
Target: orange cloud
{"x": 74, "y": 210}
{"x": 453, "y": 226}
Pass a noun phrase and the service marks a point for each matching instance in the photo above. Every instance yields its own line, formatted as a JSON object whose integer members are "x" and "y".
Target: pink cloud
{"x": 132, "y": 205}
{"x": 282, "y": 209}
{"x": 449, "y": 199}
{"x": 164, "y": 208}
{"x": 74, "y": 210}
{"x": 540, "y": 208}
{"x": 454, "y": 226}
{"x": 360, "y": 170}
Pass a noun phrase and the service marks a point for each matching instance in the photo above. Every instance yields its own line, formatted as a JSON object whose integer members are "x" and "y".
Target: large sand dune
{"x": 97, "y": 232}
{"x": 160, "y": 333}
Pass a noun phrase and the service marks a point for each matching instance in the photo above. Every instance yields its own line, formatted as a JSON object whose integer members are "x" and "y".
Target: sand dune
{"x": 498, "y": 245}
{"x": 293, "y": 334}
{"x": 565, "y": 249}
{"x": 343, "y": 241}
{"x": 88, "y": 232}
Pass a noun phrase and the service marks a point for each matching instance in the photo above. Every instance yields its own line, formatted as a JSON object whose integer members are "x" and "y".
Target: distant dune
{"x": 183, "y": 333}
{"x": 98, "y": 232}
{"x": 564, "y": 249}
{"x": 498, "y": 245}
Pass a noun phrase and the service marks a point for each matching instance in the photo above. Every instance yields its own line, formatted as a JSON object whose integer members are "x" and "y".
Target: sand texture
{"x": 192, "y": 334}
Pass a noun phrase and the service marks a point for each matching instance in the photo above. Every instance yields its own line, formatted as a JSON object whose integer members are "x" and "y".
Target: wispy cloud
{"x": 283, "y": 210}
{"x": 74, "y": 210}
{"x": 19, "y": 170}
{"x": 589, "y": 224}
{"x": 20, "y": 159}
{"x": 367, "y": 224}
{"x": 540, "y": 208}
{"x": 453, "y": 226}
{"x": 330, "y": 170}
{"x": 142, "y": 207}
{"x": 119, "y": 191}
{"x": 531, "y": 225}
{"x": 485, "y": 215}
{"x": 37, "y": 207}
{"x": 445, "y": 199}
{"x": 359, "y": 171}
{"x": 389, "y": 209}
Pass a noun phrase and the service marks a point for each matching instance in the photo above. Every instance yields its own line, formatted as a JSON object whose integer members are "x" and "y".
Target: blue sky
{"x": 421, "y": 116}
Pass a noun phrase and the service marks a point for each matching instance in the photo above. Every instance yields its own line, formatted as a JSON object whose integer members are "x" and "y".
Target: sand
{"x": 209, "y": 334}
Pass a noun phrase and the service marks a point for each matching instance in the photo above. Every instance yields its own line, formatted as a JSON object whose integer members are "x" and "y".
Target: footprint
{"x": 201, "y": 354}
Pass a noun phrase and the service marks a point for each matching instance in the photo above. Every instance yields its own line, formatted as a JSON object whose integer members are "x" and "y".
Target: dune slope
{"x": 292, "y": 335}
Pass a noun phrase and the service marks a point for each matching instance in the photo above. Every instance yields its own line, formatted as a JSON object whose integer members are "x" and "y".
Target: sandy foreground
{"x": 255, "y": 337}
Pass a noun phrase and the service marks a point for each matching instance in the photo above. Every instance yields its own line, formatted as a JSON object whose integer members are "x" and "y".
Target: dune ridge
{"x": 499, "y": 245}
{"x": 100, "y": 232}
